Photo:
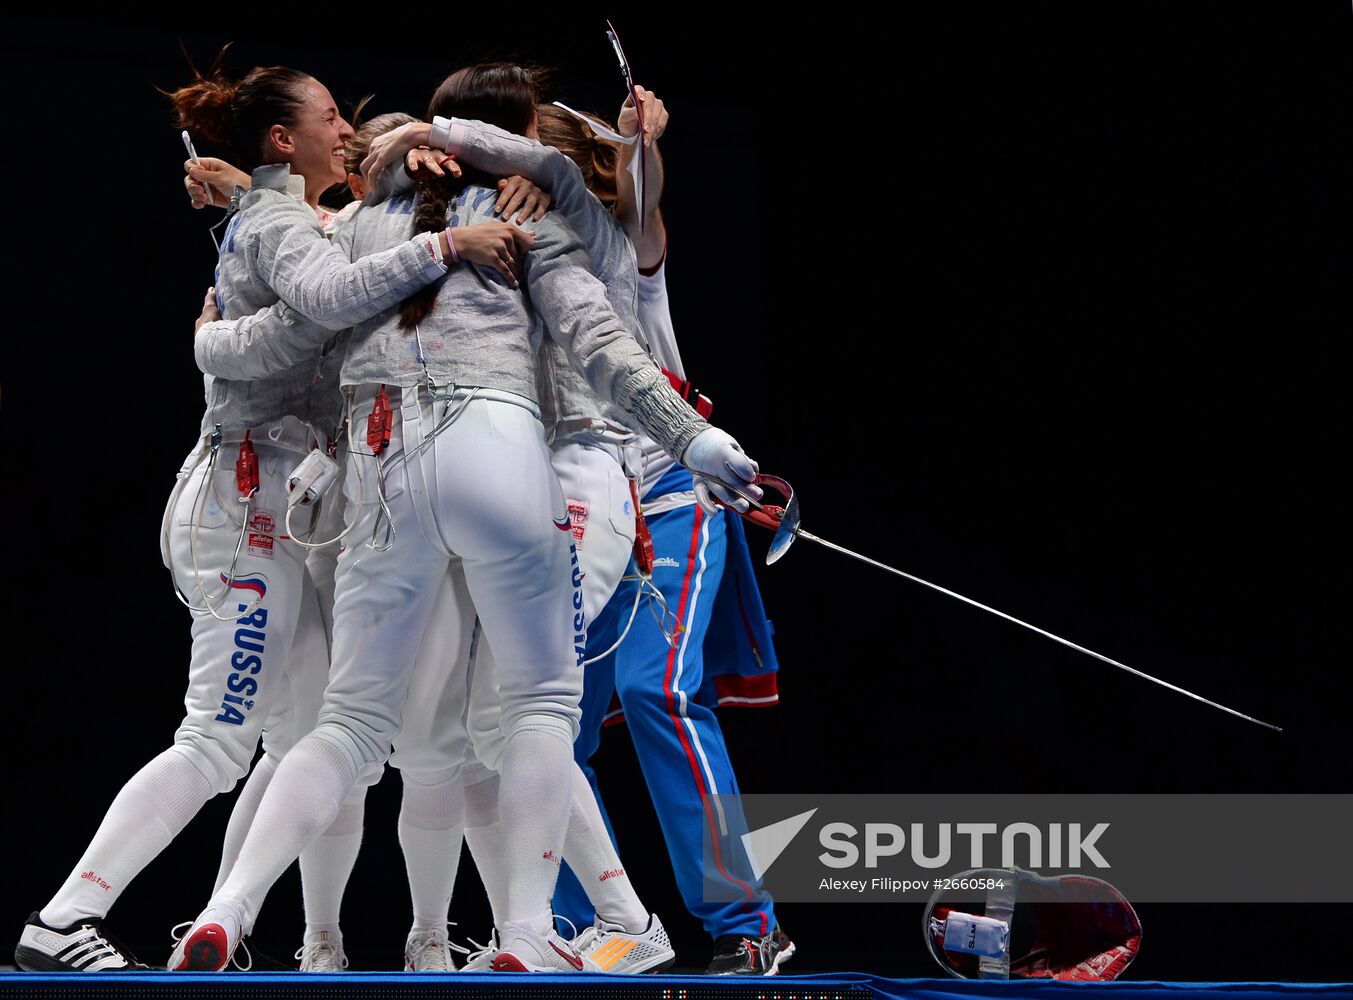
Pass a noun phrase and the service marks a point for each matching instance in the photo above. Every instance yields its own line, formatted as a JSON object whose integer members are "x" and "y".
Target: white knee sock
{"x": 300, "y": 804}
{"x": 533, "y": 804}
{"x": 431, "y": 820}
{"x": 590, "y": 853}
{"x": 326, "y": 865}
{"x": 246, "y": 805}
{"x": 147, "y": 814}
{"x": 484, "y": 835}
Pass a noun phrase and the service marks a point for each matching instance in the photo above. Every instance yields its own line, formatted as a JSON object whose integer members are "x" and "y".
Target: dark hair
{"x": 596, "y": 158}
{"x": 360, "y": 144}
{"x": 502, "y": 94}
{"x": 239, "y": 113}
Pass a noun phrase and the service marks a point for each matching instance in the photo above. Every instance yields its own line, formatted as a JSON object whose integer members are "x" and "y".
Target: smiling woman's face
{"x": 319, "y": 135}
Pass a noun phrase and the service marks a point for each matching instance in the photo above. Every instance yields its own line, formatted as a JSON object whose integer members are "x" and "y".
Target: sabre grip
{"x": 769, "y": 515}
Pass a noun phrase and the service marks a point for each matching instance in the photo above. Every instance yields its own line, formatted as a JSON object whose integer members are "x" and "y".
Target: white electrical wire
{"x": 229, "y": 576}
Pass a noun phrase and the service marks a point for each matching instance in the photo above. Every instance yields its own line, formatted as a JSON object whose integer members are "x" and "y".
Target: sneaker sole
{"x": 32, "y": 960}
{"x": 506, "y": 962}
{"x": 202, "y": 951}
{"x": 661, "y": 966}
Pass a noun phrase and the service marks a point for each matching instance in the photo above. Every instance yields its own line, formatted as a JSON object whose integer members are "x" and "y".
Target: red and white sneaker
{"x": 525, "y": 949}
{"x": 210, "y": 943}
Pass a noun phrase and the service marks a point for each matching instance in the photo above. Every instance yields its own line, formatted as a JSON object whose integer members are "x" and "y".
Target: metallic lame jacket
{"x": 274, "y": 250}
{"x": 567, "y": 402}
{"x": 482, "y": 332}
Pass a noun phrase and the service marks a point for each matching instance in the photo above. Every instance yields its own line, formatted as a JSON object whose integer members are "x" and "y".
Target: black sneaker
{"x": 82, "y": 947}
{"x": 741, "y": 956}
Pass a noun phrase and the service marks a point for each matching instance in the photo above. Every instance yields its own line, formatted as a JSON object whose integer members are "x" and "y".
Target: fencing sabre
{"x": 784, "y": 521}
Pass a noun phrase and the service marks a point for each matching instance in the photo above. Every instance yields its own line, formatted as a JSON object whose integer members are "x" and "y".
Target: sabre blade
{"x": 1034, "y": 628}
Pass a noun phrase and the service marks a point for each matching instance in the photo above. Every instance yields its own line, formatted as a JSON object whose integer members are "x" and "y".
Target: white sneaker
{"x": 84, "y": 946}
{"x": 612, "y": 949}
{"x": 321, "y": 951}
{"x": 525, "y": 949}
{"x": 428, "y": 951}
{"x": 481, "y": 959}
{"x": 210, "y": 941}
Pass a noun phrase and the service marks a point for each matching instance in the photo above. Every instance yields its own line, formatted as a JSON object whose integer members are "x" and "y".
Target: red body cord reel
{"x": 246, "y": 469}
{"x": 643, "y": 538}
{"x": 380, "y": 423}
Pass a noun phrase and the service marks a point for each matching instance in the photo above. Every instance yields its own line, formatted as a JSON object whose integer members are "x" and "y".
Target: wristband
{"x": 451, "y": 243}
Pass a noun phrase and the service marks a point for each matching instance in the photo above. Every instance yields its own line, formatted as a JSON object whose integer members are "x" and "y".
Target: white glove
{"x": 715, "y": 454}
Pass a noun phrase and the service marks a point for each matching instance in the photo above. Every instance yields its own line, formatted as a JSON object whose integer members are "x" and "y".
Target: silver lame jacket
{"x": 482, "y": 332}
{"x": 274, "y": 251}
{"x": 566, "y": 399}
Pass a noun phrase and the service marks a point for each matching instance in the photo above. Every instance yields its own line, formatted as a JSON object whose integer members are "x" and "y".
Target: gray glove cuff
{"x": 664, "y": 416}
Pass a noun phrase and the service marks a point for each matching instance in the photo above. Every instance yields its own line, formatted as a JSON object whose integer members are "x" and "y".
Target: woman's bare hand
{"x": 212, "y": 181}
{"x": 210, "y": 312}
{"x": 498, "y": 245}
{"x": 655, "y": 116}
{"x": 434, "y": 161}
{"x": 390, "y": 148}
{"x": 517, "y": 192}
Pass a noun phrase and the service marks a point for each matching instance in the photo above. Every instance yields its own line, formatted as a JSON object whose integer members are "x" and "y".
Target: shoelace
{"x": 178, "y": 930}
{"x": 433, "y": 947}
{"x": 593, "y": 936}
{"x": 572, "y": 939}
{"x": 235, "y": 958}
{"x": 745, "y": 950}
{"x": 94, "y": 947}
{"x": 480, "y": 950}
{"x": 587, "y": 937}
{"x": 309, "y": 955}
{"x": 457, "y": 948}
{"x": 766, "y": 945}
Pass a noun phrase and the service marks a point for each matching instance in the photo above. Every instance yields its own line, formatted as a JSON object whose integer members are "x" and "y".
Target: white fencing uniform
{"x": 602, "y": 525}
{"x": 240, "y": 666}
{"x": 483, "y": 490}
{"x": 272, "y": 249}
{"x": 510, "y": 513}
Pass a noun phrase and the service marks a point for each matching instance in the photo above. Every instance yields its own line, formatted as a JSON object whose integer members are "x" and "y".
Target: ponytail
{"x": 502, "y": 94}
{"x": 429, "y": 215}
{"x": 597, "y": 158}
{"x": 239, "y": 114}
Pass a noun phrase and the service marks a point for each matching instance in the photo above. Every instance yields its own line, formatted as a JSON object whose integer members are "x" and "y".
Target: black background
{"x": 1042, "y": 306}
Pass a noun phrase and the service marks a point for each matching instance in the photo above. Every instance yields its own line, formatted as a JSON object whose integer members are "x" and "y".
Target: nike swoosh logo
{"x": 571, "y": 959}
